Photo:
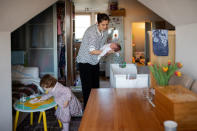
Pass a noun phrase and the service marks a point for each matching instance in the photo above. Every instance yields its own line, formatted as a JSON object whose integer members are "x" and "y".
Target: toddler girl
{"x": 68, "y": 105}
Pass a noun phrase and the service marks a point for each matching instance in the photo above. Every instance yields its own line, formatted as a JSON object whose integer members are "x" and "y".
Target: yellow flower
{"x": 178, "y": 73}
{"x": 165, "y": 69}
{"x": 150, "y": 64}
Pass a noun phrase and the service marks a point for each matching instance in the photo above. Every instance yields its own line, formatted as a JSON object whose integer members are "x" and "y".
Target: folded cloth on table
{"x": 35, "y": 100}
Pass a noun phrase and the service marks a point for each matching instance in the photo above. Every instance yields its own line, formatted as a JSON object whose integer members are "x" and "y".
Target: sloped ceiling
{"x": 176, "y": 12}
{"x": 92, "y": 5}
{"x": 14, "y": 13}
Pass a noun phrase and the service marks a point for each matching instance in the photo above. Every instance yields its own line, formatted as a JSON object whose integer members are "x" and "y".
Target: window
{"x": 82, "y": 22}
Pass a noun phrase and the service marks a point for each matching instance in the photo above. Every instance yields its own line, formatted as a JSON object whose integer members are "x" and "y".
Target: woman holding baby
{"x": 93, "y": 40}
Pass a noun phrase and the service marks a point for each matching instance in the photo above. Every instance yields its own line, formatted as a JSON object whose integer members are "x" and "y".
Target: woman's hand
{"x": 65, "y": 104}
{"x": 110, "y": 52}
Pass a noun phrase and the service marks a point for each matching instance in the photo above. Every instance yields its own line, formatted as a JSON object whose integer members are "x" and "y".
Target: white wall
{"x": 177, "y": 12}
{"x": 14, "y": 13}
{"x": 91, "y": 5}
{"x": 135, "y": 12}
{"x": 5, "y": 80}
{"x": 186, "y": 48}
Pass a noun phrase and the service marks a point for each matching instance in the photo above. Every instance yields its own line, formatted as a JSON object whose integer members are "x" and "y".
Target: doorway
{"x": 140, "y": 42}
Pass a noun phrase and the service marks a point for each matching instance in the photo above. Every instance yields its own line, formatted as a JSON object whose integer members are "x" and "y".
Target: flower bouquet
{"x": 162, "y": 73}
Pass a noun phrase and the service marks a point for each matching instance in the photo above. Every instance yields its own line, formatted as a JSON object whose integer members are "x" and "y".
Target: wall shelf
{"x": 120, "y": 12}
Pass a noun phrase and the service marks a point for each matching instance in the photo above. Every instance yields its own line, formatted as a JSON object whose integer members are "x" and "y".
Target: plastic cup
{"x": 170, "y": 125}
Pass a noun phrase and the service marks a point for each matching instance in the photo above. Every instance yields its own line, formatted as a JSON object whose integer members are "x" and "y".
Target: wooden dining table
{"x": 119, "y": 109}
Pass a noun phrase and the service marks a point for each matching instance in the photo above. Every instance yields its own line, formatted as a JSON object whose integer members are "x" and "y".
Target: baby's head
{"x": 48, "y": 82}
{"x": 115, "y": 47}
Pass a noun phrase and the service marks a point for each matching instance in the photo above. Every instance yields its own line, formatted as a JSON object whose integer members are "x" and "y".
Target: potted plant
{"x": 162, "y": 73}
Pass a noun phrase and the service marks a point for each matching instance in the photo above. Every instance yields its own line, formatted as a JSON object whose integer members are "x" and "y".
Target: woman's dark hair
{"x": 101, "y": 17}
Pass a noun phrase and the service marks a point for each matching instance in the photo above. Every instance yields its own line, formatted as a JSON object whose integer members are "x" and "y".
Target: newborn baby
{"x": 106, "y": 48}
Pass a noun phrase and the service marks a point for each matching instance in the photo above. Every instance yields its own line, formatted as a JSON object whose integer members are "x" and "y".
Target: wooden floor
{"x": 113, "y": 109}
